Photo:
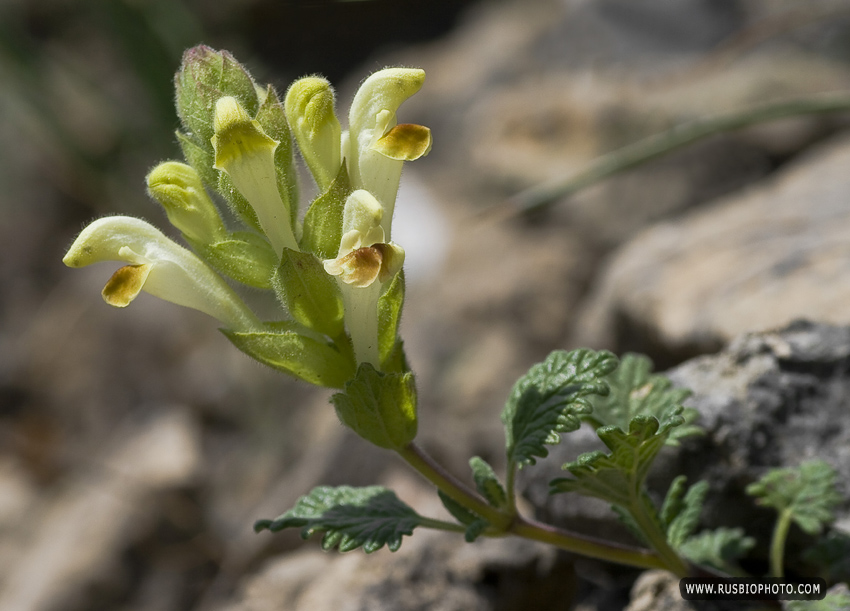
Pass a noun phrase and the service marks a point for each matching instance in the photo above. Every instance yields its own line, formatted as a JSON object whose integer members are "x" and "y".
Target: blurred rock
{"x": 435, "y": 571}
{"x": 750, "y": 262}
{"x": 71, "y": 544}
{"x": 657, "y": 590}
{"x": 522, "y": 92}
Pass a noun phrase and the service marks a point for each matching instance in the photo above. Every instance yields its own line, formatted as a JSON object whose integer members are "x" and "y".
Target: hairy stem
{"x": 587, "y": 546}
{"x": 777, "y": 544}
{"x": 510, "y": 523}
{"x": 658, "y": 539}
{"x": 451, "y": 486}
{"x": 633, "y": 155}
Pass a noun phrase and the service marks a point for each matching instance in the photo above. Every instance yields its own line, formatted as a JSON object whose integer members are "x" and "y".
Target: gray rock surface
{"x": 754, "y": 261}
{"x": 437, "y": 571}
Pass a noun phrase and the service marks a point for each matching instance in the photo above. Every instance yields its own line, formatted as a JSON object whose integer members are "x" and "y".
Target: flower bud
{"x": 310, "y": 111}
{"x": 206, "y": 75}
{"x": 180, "y": 191}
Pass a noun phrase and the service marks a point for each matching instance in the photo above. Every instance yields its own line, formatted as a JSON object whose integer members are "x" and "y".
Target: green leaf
{"x": 309, "y": 293}
{"x": 323, "y": 222}
{"x": 458, "y": 511}
{"x": 369, "y": 517}
{"x": 389, "y": 316}
{"x": 296, "y": 351}
{"x": 201, "y": 158}
{"x": 831, "y": 555}
{"x": 635, "y": 392}
{"x": 833, "y": 601}
{"x": 475, "y": 525}
{"x": 807, "y": 492}
{"x": 487, "y": 483}
{"x": 720, "y": 549}
{"x": 618, "y": 477}
{"x": 475, "y": 530}
{"x": 380, "y": 407}
{"x": 673, "y": 500}
{"x": 549, "y": 400}
{"x": 685, "y": 522}
{"x": 244, "y": 256}
{"x": 626, "y": 519}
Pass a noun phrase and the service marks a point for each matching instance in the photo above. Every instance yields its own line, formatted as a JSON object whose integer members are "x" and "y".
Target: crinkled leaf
{"x": 297, "y": 351}
{"x": 389, "y": 316}
{"x": 686, "y": 520}
{"x": 549, "y": 400}
{"x": 720, "y": 549}
{"x": 807, "y": 492}
{"x": 323, "y": 222}
{"x": 618, "y": 477}
{"x": 487, "y": 483}
{"x": 308, "y": 292}
{"x": 380, "y": 407}
{"x": 634, "y": 391}
{"x": 349, "y": 517}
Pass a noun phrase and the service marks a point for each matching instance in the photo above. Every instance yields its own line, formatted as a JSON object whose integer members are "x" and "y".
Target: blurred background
{"x": 137, "y": 447}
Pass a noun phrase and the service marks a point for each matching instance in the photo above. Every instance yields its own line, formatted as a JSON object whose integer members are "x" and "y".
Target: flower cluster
{"x": 336, "y": 271}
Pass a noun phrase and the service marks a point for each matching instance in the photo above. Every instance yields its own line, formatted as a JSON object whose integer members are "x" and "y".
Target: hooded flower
{"x": 363, "y": 264}
{"x": 158, "y": 266}
{"x": 246, "y": 154}
{"x": 375, "y": 147}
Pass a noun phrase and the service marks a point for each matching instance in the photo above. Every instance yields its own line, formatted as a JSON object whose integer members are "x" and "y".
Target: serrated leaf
{"x": 323, "y": 222}
{"x": 618, "y": 477}
{"x": 487, "y": 483}
{"x": 308, "y": 292}
{"x": 295, "y": 350}
{"x": 634, "y": 391}
{"x": 807, "y": 492}
{"x": 458, "y": 511}
{"x": 720, "y": 549}
{"x": 549, "y": 400}
{"x": 380, "y": 407}
{"x": 349, "y": 517}
{"x": 685, "y": 522}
